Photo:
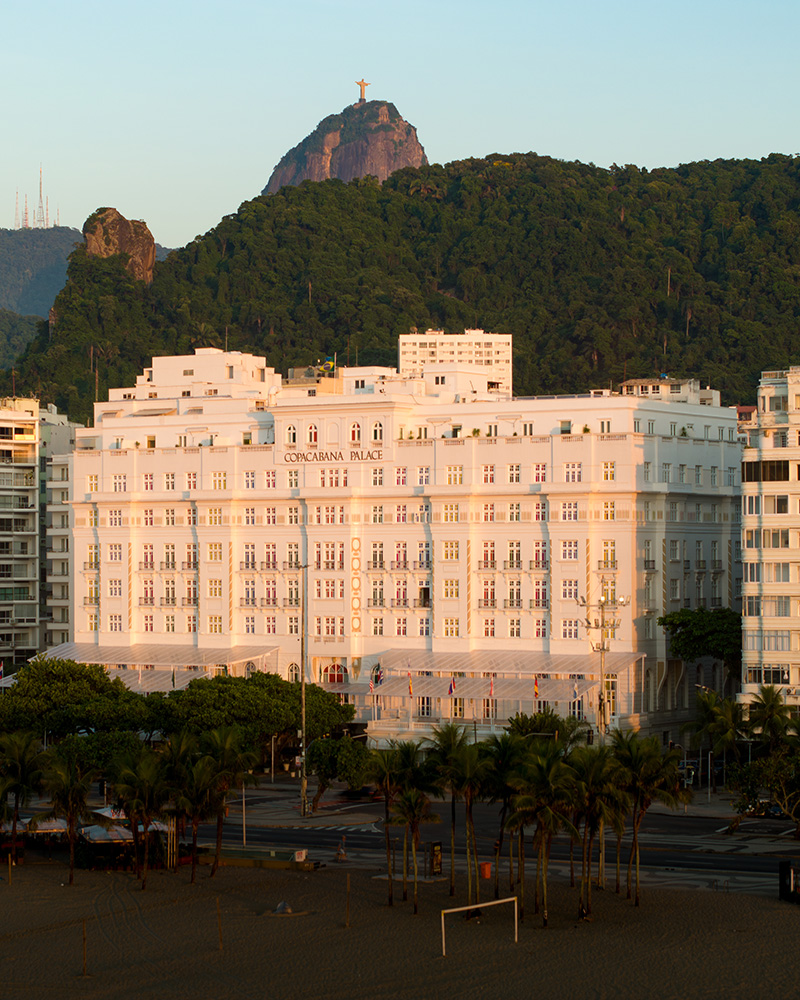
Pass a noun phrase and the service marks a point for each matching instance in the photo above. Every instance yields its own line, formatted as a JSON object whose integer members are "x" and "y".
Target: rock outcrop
{"x": 369, "y": 137}
{"x": 107, "y": 233}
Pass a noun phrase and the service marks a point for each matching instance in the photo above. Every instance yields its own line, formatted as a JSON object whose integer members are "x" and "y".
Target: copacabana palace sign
{"x": 354, "y": 455}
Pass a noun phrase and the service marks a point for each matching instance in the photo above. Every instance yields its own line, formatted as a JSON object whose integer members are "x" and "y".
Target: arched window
{"x": 312, "y": 435}
{"x": 291, "y": 434}
{"x": 377, "y": 432}
{"x": 335, "y": 673}
{"x": 355, "y": 433}
{"x": 294, "y": 673}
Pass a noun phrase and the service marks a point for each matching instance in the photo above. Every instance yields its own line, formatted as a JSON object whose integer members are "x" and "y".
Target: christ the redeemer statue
{"x": 363, "y": 84}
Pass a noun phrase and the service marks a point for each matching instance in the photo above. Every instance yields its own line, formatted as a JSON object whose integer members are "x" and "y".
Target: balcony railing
{"x": 189, "y": 602}
{"x": 512, "y": 602}
{"x": 271, "y": 564}
{"x": 91, "y": 565}
{"x": 607, "y": 564}
{"x": 291, "y": 564}
{"x": 700, "y": 564}
{"x": 168, "y": 564}
{"x": 291, "y": 602}
{"x": 189, "y": 564}
{"x": 399, "y": 602}
{"x": 248, "y": 564}
{"x": 487, "y": 563}
{"x": 424, "y": 564}
{"x": 539, "y": 564}
{"x": 512, "y": 564}
{"x": 147, "y": 564}
{"x": 649, "y": 564}
{"x": 248, "y": 602}
{"x": 400, "y": 564}
{"x": 168, "y": 602}
{"x": 269, "y": 602}
{"x": 716, "y": 565}
{"x": 422, "y": 602}
{"x": 375, "y": 564}
{"x": 487, "y": 602}
{"x": 539, "y": 602}
{"x": 376, "y": 602}
{"x": 92, "y": 601}
{"x": 147, "y": 602}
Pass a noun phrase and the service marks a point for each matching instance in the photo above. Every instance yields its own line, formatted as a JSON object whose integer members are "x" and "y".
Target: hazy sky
{"x": 175, "y": 112}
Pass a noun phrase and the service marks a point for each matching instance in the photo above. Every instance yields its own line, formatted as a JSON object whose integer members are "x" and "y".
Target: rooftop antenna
{"x": 25, "y": 223}
{"x": 40, "y": 210}
{"x": 16, "y": 212}
{"x": 47, "y": 213}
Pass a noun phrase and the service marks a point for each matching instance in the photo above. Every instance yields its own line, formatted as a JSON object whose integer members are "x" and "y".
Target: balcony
{"x": 248, "y": 564}
{"x": 400, "y": 564}
{"x": 687, "y": 565}
{"x": 269, "y": 602}
{"x": 422, "y": 602}
{"x": 538, "y": 564}
{"x": 700, "y": 564}
{"x": 376, "y": 602}
{"x": 92, "y": 601}
{"x": 147, "y": 564}
{"x": 189, "y": 602}
{"x": 649, "y": 565}
{"x": 687, "y": 603}
{"x": 291, "y": 602}
{"x": 487, "y": 564}
{"x": 512, "y": 564}
{"x": 147, "y": 602}
{"x": 512, "y": 602}
{"x": 422, "y": 564}
{"x": 167, "y": 565}
{"x": 189, "y": 564}
{"x": 716, "y": 565}
{"x": 291, "y": 564}
{"x": 375, "y": 564}
{"x": 539, "y": 602}
{"x": 399, "y": 602}
{"x": 607, "y": 564}
{"x": 93, "y": 565}
{"x": 487, "y": 602}
{"x": 716, "y": 602}
{"x": 269, "y": 564}
{"x": 168, "y": 602}
{"x": 701, "y": 602}
{"x": 248, "y": 602}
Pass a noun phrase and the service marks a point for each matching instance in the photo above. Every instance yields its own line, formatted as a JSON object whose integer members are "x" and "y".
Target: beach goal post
{"x": 481, "y": 906}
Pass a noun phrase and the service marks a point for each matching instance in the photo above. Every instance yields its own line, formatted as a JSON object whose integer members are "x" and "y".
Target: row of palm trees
{"x": 544, "y": 787}
{"x": 186, "y": 778}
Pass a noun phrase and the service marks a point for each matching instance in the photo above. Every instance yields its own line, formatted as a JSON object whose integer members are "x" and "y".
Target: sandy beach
{"x": 164, "y": 943}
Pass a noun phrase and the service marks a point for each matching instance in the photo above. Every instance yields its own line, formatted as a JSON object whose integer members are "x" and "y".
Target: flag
{"x": 371, "y": 686}
{"x": 410, "y": 687}
{"x": 380, "y": 675}
{"x": 1, "y": 670}
{"x": 173, "y": 676}
{"x": 535, "y": 687}
{"x": 452, "y": 689}
{"x": 575, "y": 691}
{"x": 491, "y": 686}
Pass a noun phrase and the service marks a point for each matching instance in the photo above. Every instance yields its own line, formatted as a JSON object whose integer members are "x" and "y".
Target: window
{"x": 115, "y": 518}
{"x": 377, "y": 477}
{"x": 609, "y": 510}
{"x": 451, "y": 550}
{"x": 377, "y": 626}
{"x": 91, "y": 484}
{"x": 513, "y": 473}
{"x": 377, "y": 433}
{"x": 572, "y": 472}
{"x": 698, "y": 475}
{"x": 451, "y": 627}
{"x": 215, "y": 624}
{"x": 455, "y": 475}
{"x": 119, "y": 483}
{"x": 424, "y": 626}
{"x": 215, "y": 515}
{"x": 539, "y": 472}
{"x": 215, "y": 588}
{"x": 488, "y": 512}
{"x": 674, "y": 589}
{"x": 291, "y": 435}
{"x": 569, "y": 589}
{"x": 569, "y": 511}
{"x": 219, "y": 480}
{"x": 569, "y": 628}
{"x": 249, "y": 515}
{"x": 312, "y": 435}
{"x": 569, "y": 549}
{"x": 451, "y": 588}
{"x": 115, "y": 623}
{"x": 250, "y": 480}
{"x": 115, "y": 588}
{"x": 191, "y": 623}
{"x": 93, "y": 621}
{"x": 169, "y": 481}
{"x": 355, "y": 433}
{"x": 147, "y": 481}
{"x": 540, "y": 628}
{"x": 250, "y": 625}
{"x": 401, "y": 626}
{"x": 514, "y": 628}
{"x": 377, "y": 514}
{"x": 293, "y": 479}
{"x": 148, "y": 623}
{"x": 714, "y": 471}
{"x": 94, "y": 519}
{"x": 674, "y": 552}
{"x": 540, "y": 510}
{"x": 488, "y": 628}
{"x": 215, "y": 552}
{"x": 400, "y": 476}
{"x": 423, "y": 475}
{"x": 646, "y": 471}
{"x": 514, "y": 512}
{"x": 401, "y": 513}
{"x": 609, "y": 472}
{"x": 450, "y": 513}
{"x": 293, "y": 626}
{"x": 488, "y": 475}
{"x": 666, "y": 472}
{"x": 115, "y": 552}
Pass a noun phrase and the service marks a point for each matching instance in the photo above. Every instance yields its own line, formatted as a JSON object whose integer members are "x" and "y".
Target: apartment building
{"x": 442, "y": 548}
{"x": 472, "y": 348}
{"x": 771, "y": 537}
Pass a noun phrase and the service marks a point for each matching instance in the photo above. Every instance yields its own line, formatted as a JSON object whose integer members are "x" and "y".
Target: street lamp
{"x": 602, "y": 624}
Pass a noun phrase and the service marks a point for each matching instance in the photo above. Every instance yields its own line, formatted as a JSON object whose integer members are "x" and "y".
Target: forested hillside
{"x": 33, "y": 266}
{"x": 598, "y": 274}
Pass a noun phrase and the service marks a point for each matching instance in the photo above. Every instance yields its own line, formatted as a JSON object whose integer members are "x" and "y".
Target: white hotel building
{"x": 435, "y": 535}
{"x": 770, "y": 523}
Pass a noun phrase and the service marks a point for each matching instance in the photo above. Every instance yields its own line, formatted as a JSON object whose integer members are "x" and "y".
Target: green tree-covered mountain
{"x": 33, "y": 267}
{"x": 599, "y": 274}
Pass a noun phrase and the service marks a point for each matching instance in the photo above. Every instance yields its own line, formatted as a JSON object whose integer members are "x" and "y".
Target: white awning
{"x": 158, "y": 654}
{"x": 517, "y": 664}
{"x": 503, "y": 689}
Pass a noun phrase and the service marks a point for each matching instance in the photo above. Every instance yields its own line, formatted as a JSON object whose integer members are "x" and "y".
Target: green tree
{"x": 197, "y": 797}
{"x": 769, "y": 716}
{"x": 68, "y": 786}
{"x": 382, "y": 771}
{"x": 446, "y": 744}
{"x": 233, "y": 766}
{"x": 142, "y": 787}
{"x": 694, "y": 634}
{"x": 411, "y": 808}
{"x": 21, "y": 762}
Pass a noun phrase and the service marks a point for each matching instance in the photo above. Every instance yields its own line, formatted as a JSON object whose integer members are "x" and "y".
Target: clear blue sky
{"x": 175, "y": 112}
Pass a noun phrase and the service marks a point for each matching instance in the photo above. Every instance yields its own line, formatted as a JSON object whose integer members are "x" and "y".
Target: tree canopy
{"x": 700, "y": 632}
{"x": 598, "y": 273}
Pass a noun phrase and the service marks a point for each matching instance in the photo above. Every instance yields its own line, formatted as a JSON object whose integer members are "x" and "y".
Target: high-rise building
{"x": 417, "y": 352}
{"x": 447, "y": 553}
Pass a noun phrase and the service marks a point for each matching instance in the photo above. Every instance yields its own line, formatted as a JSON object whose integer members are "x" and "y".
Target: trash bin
{"x": 485, "y": 869}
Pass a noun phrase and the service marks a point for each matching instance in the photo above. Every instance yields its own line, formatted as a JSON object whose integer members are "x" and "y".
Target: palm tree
{"x": 143, "y": 789}
{"x": 705, "y": 724}
{"x": 506, "y": 752}
{"x": 595, "y": 797}
{"x": 179, "y": 753}
{"x": 382, "y": 772}
{"x": 647, "y": 776}
{"x": 233, "y": 766}
{"x": 412, "y": 772}
{"x": 770, "y": 716}
{"x": 472, "y": 765}
{"x": 411, "y": 808}
{"x": 197, "y": 797}
{"x": 448, "y": 739}
{"x": 68, "y": 787}
{"x": 731, "y": 727}
{"x": 21, "y": 761}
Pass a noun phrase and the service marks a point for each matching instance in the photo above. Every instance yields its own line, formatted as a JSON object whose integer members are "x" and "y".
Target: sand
{"x": 163, "y": 943}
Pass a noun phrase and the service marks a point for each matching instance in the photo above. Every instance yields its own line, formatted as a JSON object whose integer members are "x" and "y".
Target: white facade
{"x": 447, "y": 533}
{"x": 470, "y": 349}
{"x": 771, "y": 538}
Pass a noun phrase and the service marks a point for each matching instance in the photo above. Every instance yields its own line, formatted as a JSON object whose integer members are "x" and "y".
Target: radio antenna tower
{"x": 25, "y": 223}
{"x": 16, "y": 212}
{"x": 40, "y": 210}
{"x": 47, "y": 212}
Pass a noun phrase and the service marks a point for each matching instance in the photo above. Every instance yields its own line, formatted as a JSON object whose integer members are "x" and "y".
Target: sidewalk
{"x": 278, "y": 806}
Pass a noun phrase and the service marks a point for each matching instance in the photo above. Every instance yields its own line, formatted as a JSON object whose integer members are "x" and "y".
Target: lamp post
{"x": 602, "y": 624}
{"x": 303, "y": 776}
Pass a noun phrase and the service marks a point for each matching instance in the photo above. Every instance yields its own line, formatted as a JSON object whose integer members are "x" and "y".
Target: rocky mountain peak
{"x": 107, "y": 233}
